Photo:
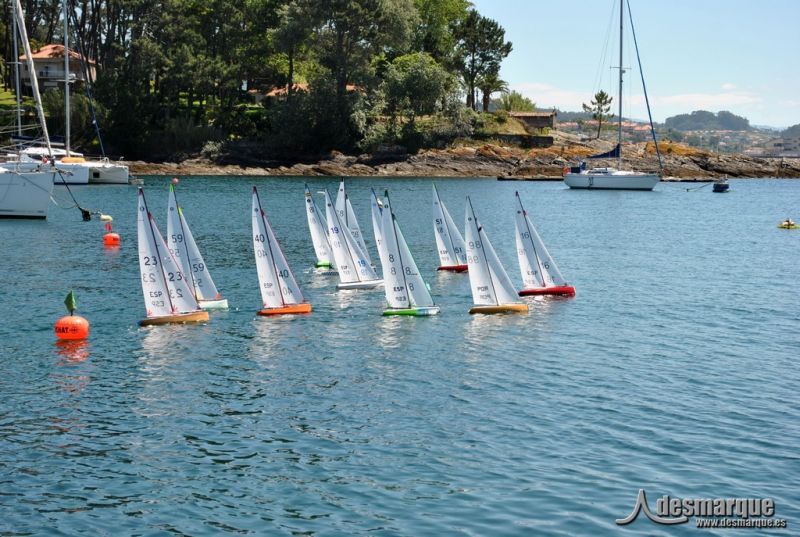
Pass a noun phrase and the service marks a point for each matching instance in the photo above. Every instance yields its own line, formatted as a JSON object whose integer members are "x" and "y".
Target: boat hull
{"x": 219, "y": 304}
{"x": 420, "y": 311}
{"x": 289, "y": 309}
{"x": 454, "y": 268}
{"x": 180, "y": 318}
{"x": 102, "y": 172}
{"x": 322, "y": 264}
{"x": 784, "y": 226}
{"x": 561, "y": 290}
{"x": 368, "y": 284}
{"x": 500, "y": 308}
{"x": 25, "y": 194}
{"x": 622, "y": 181}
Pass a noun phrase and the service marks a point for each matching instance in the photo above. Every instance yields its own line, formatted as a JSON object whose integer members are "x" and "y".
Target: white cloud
{"x": 545, "y": 95}
{"x": 728, "y": 86}
{"x": 709, "y": 101}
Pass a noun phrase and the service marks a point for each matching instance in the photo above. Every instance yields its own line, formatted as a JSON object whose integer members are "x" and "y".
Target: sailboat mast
{"x": 23, "y": 34}
{"x": 446, "y": 227}
{"x": 621, "y": 70}
{"x": 483, "y": 248}
{"x": 16, "y": 75}
{"x": 66, "y": 80}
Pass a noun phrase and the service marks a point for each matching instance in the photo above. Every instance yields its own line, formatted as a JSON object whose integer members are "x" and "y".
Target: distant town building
{"x": 49, "y": 64}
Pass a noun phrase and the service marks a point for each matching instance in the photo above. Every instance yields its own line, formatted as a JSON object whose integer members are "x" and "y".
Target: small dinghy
{"x": 167, "y": 296}
{"x": 184, "y": 249}
{"x": 355, "y": 270}
{"x": 720, "y": 185}
{"x": 540, "y": 275}
{"x": 788, "y": 224}
{"x": 449, "y": 244}
{"x": 492, "y": 290}
{"x": 406, "y": 291}
{"x": 279, "y": 290}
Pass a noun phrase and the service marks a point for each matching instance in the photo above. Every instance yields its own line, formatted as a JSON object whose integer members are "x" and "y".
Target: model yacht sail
{"x": 344, "y": 210}
{"x": 450, "y": 245}
{"x": 25, "y": 191}
{"x": 492, "y": 290}
{"x": 376, "y": 207}
{"x": 167, "y": 296}
{"x": 319, "y": 237}
{"x": 406, "y": 291}
{"x": 279, "y": 290}
{"x": 184, "y": 249}
{"x": 355, "y": 271}
{"x": 607, "y": 178}
{"x": 540, "y": 275}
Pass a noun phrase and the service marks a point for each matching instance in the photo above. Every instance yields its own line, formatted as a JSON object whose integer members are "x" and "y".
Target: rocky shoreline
{"x": 492, "y": 160}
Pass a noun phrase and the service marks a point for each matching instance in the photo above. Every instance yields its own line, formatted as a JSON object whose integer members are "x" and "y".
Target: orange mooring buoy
{"x": 110, "y": 239}
{"x": 71, "y": 327}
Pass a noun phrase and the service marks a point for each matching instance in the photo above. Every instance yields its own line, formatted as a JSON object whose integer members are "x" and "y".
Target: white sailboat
{"x": 449, "y": 244}
{"x": 492, "y": 290}
{"x": 25, "y": 191}
{"x": 406, "y": 291}
{"x": 279, "y": 290}
{"x": 182, "y": 245}
{"x": 344, "y": 210}
{"x": 607, "y": 178}
{"x": 167, "y": 296}
{"x": 540, "y": 275}
{"x": 355, "y": 270}
{"x": 319, "y": 237}
{"x": 376, "y": 207}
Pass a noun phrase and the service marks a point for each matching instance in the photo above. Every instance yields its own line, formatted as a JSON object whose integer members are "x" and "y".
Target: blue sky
{"x": 737, "y": 55}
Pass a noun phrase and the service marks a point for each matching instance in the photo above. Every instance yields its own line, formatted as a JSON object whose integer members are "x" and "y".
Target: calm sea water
{"x": 674, "y": 369}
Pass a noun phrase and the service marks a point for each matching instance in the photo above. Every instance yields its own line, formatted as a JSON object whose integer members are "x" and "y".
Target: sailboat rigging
{"x": 608, "y": 178}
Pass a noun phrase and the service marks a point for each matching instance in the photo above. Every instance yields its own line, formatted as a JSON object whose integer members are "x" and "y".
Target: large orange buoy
{"x": 71, "y": 327}
{"x": 110, "y": 239}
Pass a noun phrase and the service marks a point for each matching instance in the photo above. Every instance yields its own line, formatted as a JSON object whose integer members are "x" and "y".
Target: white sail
{"x": 403, "y": 283}
{"x": 450, "y": 245}
{"x": 537, "y": 267}
{"x": 184, "y": 249}
{"x": 344, "y": 210}
{"x": 351, "y": 261}
{"x": 377, "y": 226}
{"x": 488, "y": 279}
{"x": 316, "y": 226}
{"x": 163, "y": 285}
{"x": 275, "y": 278}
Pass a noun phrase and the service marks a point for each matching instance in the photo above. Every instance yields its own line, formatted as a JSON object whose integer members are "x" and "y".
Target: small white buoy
{"x": 106, "y": 218}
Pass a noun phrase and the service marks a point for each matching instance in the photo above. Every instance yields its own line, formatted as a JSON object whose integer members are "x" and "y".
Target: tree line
{"x": 178, "y": 75}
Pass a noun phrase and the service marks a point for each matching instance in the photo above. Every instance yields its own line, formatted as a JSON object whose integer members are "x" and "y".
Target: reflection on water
{"x": 72, "y": 352}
